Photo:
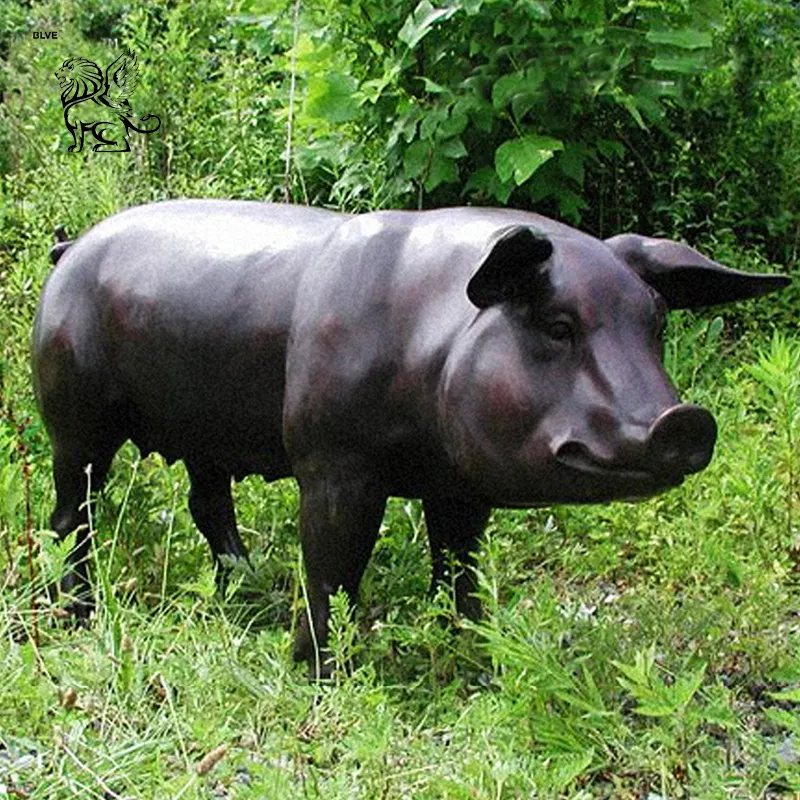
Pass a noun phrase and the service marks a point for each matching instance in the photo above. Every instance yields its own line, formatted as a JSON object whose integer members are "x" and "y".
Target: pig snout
{"x": 681, "y": 440}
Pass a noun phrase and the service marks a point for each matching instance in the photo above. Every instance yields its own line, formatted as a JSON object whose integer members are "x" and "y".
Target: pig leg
{"x": 340, "y": 516}
{"x": 72, "y": 514}
{"x": 454, "y": 526}
{"x": 211, "y": 506}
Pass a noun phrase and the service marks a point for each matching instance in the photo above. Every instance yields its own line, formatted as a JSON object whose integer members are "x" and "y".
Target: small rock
{"x": 788, "y": 752}
{"x": 69, "y": 697}
{"x": 243, "y": 776}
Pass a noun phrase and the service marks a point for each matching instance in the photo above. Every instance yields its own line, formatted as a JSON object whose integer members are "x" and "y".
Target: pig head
{"x": 469, "y": 357}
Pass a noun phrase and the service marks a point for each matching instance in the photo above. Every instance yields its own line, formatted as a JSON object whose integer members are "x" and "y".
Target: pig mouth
{"x": 577, "y": 457}
{"x": 679, "y": 442}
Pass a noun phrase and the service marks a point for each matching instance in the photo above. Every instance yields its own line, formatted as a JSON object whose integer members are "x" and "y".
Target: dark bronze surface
{"x": 469, "y": 357}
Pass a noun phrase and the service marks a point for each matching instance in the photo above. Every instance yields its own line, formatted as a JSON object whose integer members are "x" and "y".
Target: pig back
{"x": 176, "y": 315}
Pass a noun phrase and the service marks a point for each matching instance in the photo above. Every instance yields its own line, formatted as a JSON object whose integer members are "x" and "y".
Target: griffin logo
{"x": 100, "y": 104}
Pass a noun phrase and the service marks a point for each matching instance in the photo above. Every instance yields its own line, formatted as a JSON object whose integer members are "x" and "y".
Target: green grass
{"x": 645, "y": 650}
{"x": 627, "y": 649}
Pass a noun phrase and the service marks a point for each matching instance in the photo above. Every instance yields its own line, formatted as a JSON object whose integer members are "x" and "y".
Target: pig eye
{"x": 560, "y": 330}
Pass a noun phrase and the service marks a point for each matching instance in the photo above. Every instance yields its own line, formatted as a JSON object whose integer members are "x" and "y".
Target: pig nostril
{"x": 681, "y": 440}
{"x": 571, "y": 450}
{"x": 575, "y": 454}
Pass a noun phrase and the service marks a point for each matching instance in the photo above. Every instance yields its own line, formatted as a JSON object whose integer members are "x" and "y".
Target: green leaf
{"x": 434, "y": 88}
{"x": 685, "y": 688}
{"x": 415, "y": 158}
{"x": 486, "y": 182}
{"x": 522, "y": 104}
{"x": 788, "y": 695}
{"x": 650, "y": 710}
{"x": 610, "y": 149}
{"x": 452, "y": 148}
{"x": 473, "y": 107}
{"x": 785, "y": 719}
{"x": 431, "y": 120}
{"x": 629, "y": 104}
{"x": 442, "y": 170}
{"x": 405, "y": 126}
{"x": 659, "y": 88}
{"x": 715, "y": 329}
{"x": 590, "y": 13}
{"x": 373, "y": 89}
{"x": 686, "y": 39}
{"x": 571, "y": 163}
{"x": 520, "y": 158}
{"x": 570, "y": 204}
{"x": 454, "y": 125}
{"x": 537, "y": 9}
{"x": 204, "y": 585}
{"x": 649, "y": 107}
{"x": 421, "y": 21}
{"x": 509, "y": 87}
{"x": 543, "y": 186}
{"x": 505, "y": 88}
{"x": 564, "y": 768}
{"x": 686, "y": 65}
{"x": 635, "y": 674}
{"x": 434, "y": 164}
{"x": 332, "y": 97}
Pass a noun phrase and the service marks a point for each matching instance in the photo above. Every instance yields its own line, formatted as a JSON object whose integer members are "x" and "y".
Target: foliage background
{"x": 645, "y": 650}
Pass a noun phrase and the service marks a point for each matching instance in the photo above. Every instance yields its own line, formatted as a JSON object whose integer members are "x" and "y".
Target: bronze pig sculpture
{"x": 470, "y": 357}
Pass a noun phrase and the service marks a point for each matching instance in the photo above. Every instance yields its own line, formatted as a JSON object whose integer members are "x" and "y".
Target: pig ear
{"x": 687, "y": 279}
{"x": 511, "y": 267}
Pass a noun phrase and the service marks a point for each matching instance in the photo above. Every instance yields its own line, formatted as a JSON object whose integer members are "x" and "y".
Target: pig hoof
{"x": 322, "y": 673}
{"x": 74, "y": 597}
{"x": 74, "y": 611}
{"x": 79, "y": 608}
{"x": 470, "y": 608}
{"x": 306, "y": 647}
{"x": 320, "y": 666}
